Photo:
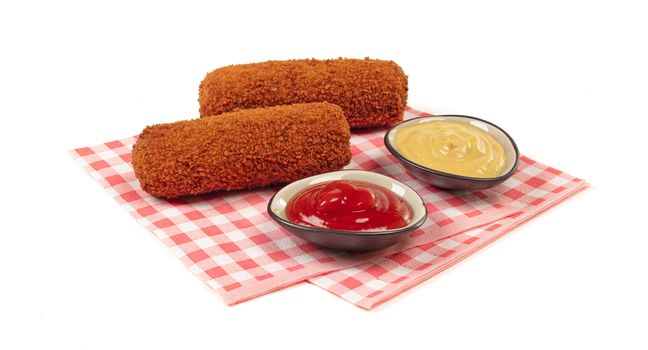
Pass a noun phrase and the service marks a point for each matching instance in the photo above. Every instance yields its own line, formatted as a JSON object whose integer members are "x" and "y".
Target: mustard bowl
{"x": 449, "y": 180}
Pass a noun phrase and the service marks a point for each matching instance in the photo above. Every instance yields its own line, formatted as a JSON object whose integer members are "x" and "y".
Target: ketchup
{"x": 348, "y": 205}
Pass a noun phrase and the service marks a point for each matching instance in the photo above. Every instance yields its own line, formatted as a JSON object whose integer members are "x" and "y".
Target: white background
{"x": 567, "y": 79}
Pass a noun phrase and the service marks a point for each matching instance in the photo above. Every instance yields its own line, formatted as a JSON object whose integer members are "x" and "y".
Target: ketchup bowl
{"x": 388, "y": 194}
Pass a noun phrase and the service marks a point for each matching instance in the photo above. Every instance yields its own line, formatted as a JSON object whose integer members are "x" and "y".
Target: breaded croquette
{"x": 370, "y": 92}
{"x": 241, "y": 150}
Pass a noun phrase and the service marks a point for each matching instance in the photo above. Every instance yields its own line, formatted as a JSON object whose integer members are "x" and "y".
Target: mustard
{"x": 452, "y": 147}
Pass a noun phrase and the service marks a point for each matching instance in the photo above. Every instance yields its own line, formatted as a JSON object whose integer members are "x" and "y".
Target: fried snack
{"x": 370, "y": 92}
{"x": 240, "y": 150}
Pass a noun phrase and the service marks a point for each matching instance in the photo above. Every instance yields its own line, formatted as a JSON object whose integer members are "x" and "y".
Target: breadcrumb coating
{"x": 371, "y": 92}
{"x": 241, "y": 150}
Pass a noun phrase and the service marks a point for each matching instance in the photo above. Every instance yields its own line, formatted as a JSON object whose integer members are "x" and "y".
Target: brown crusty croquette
{"x": 243, "y": 149}
{"x": 371, "y": 92}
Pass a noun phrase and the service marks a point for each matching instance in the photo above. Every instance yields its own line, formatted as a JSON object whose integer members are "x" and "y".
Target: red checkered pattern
{"x": 533, "y": 189}
{"x": 228, "y": 240}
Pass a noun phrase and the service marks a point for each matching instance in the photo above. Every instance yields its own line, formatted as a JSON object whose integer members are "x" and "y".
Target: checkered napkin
{"x": 228, "y": 240}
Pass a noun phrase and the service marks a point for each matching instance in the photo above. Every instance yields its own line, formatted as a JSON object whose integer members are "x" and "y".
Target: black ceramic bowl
{"x": 348, "y": 240}
{"x": 453, "y": 181}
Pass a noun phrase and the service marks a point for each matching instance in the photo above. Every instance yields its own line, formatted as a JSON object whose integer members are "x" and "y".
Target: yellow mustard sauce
{"x": 452, "y": 147}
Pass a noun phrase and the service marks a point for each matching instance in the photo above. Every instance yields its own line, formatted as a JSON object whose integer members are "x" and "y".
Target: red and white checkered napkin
{"x": 228, "y": 240}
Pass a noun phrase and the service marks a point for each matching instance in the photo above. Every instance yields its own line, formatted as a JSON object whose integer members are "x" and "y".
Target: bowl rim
{"x": 392, "y": 149}
{"x": 322, "y": 230}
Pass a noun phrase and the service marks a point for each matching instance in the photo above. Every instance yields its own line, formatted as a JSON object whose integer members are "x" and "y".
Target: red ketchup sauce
{"x": 348, "y": 205}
